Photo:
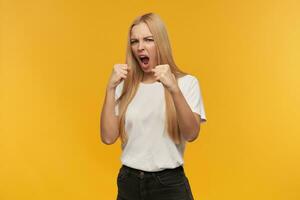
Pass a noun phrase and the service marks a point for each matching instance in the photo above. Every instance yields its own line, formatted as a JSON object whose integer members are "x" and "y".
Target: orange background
{"x": 56, "y": 58}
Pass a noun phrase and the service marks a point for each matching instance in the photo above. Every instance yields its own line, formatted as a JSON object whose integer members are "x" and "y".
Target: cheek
{"x": 133, "y": 49}
{"x": 153, "y": 51}
{"x": 134, "y": 52}
{"x": 154, "y": 58}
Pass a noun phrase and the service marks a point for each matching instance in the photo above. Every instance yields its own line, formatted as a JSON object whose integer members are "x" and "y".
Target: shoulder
{"x": 187, "y": 81}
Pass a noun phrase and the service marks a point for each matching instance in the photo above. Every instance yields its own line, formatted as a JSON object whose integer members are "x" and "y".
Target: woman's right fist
{"x": 119, "y": 72}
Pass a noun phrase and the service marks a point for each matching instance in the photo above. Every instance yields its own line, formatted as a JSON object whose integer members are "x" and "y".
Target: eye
{"x": 149, "y": 40}
{"x": 133, "y": 41}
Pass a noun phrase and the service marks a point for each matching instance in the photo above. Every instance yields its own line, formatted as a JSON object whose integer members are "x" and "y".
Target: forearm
{"x": 109, "y": 121}
{"x": 188, "y": 124}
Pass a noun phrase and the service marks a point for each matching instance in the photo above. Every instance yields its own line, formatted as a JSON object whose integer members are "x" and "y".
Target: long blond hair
{"x": 135, "y": 76}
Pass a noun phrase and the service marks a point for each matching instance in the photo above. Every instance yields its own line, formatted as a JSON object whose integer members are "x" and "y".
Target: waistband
{"x": 145, "y": 173}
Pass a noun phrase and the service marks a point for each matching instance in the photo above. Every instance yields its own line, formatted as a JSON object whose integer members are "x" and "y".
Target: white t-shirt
{"x": 149, "y": 146}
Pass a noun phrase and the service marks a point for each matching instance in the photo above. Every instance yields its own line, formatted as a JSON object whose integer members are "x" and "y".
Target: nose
{"x": 141, "y": 46}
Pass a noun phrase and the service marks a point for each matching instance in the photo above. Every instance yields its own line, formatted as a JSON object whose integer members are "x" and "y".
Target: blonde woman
{"x": 154, "y": 108}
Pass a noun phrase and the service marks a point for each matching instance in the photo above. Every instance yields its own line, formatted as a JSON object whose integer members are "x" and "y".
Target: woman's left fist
{"x": 163, "y": 74}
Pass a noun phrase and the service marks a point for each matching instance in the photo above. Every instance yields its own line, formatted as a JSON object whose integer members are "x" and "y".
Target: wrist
{"x": 175, "y": 90}
{"x": 110, "y": 89}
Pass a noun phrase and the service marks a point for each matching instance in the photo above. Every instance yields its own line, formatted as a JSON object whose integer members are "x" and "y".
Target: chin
{"x": 147, "y": 70}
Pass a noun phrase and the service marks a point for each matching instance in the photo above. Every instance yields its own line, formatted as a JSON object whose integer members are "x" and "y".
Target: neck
{"x": 148, "y": 78}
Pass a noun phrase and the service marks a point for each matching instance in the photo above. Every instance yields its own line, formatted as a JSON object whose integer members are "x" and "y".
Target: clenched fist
{"x": 164, "y": 75}
{"x": 119, "y": 73}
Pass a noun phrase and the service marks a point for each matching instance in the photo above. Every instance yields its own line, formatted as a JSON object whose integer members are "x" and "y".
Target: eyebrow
{"x": 144, "y": 37}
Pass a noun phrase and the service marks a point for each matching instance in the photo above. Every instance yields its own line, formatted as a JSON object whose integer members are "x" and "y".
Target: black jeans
{"x": 169, "y": 184}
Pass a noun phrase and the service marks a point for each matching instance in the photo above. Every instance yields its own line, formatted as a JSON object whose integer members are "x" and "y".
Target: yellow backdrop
{"x": 56, "y": 58}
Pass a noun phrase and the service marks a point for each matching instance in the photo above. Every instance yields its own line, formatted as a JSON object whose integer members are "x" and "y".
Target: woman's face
{"x": 143, "y": 47}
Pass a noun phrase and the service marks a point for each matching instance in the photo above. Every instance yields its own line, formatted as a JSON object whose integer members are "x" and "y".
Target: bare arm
{"x": 189, "y": 122}
{"x": 109, "y": 122}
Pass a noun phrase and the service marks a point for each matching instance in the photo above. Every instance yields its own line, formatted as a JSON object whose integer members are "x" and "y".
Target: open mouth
{"x": 144, "y": 59}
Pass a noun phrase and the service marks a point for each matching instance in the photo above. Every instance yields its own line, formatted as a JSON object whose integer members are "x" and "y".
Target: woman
{"x": 155, "y": 108}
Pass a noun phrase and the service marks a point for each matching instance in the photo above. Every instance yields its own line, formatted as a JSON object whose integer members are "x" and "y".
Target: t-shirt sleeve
{"x": 192, "y": 92}
{"x": 118, "y": 92}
